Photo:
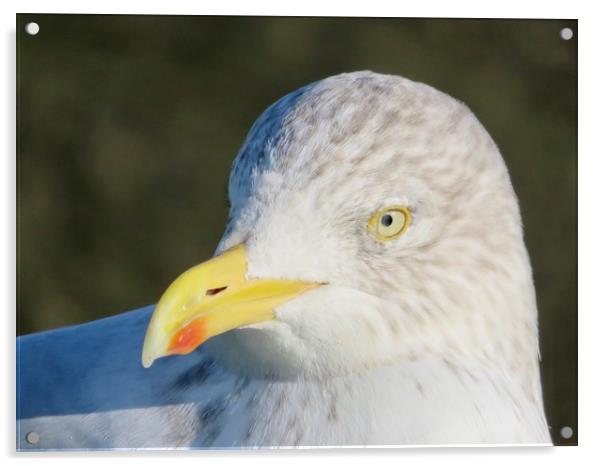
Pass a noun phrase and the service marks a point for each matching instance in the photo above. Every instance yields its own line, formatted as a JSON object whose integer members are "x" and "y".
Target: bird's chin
{"x": 320, "y": 333}
{"x": 266, "y": 350}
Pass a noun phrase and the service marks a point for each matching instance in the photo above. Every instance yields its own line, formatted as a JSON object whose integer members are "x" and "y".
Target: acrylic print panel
{"x": 389, "y": 262}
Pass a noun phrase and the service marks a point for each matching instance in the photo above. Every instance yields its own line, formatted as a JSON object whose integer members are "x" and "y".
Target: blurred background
{"x": 127, "y": 127}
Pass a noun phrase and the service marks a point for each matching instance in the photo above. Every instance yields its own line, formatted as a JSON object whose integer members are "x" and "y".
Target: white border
{"x": 590, "y": 233}
{"x": 456, "y": 9}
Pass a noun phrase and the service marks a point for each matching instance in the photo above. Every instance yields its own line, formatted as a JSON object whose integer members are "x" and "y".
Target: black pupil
{"x": 386, "y": 220}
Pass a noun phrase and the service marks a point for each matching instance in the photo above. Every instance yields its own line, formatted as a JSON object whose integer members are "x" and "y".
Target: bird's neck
{"x": 430, "y": 401}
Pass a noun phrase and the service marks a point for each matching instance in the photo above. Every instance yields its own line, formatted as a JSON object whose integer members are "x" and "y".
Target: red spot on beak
{"x": 188, "y": 338}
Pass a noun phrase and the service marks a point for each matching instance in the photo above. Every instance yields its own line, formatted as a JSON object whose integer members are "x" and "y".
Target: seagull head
{"x": 372, "y": 221}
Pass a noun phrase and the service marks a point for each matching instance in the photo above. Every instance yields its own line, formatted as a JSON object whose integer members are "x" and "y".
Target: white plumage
{"x": 430, "y": 338}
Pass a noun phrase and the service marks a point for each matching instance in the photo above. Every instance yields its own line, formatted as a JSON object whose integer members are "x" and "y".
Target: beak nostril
{"x": 214, "y": 291}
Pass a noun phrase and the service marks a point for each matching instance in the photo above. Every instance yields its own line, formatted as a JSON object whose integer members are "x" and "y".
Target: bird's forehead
{"x": 265, "y": 135}
{"x": 369, "y": 127}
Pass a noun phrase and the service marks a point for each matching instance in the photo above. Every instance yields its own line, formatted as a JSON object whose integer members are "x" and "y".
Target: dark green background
{"x": 127, "y": 126}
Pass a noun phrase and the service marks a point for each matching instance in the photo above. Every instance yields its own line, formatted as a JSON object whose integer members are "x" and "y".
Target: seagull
{"x": 372, "y": 287}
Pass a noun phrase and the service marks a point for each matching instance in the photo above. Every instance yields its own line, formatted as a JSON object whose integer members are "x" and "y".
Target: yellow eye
{"x": 390, "y": 223}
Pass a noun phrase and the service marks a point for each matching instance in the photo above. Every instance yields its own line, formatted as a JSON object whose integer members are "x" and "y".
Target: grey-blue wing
{"x": 84, "y": 387}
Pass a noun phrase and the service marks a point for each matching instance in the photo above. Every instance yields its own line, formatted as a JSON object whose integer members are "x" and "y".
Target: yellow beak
{"x": 212, "y": 298}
